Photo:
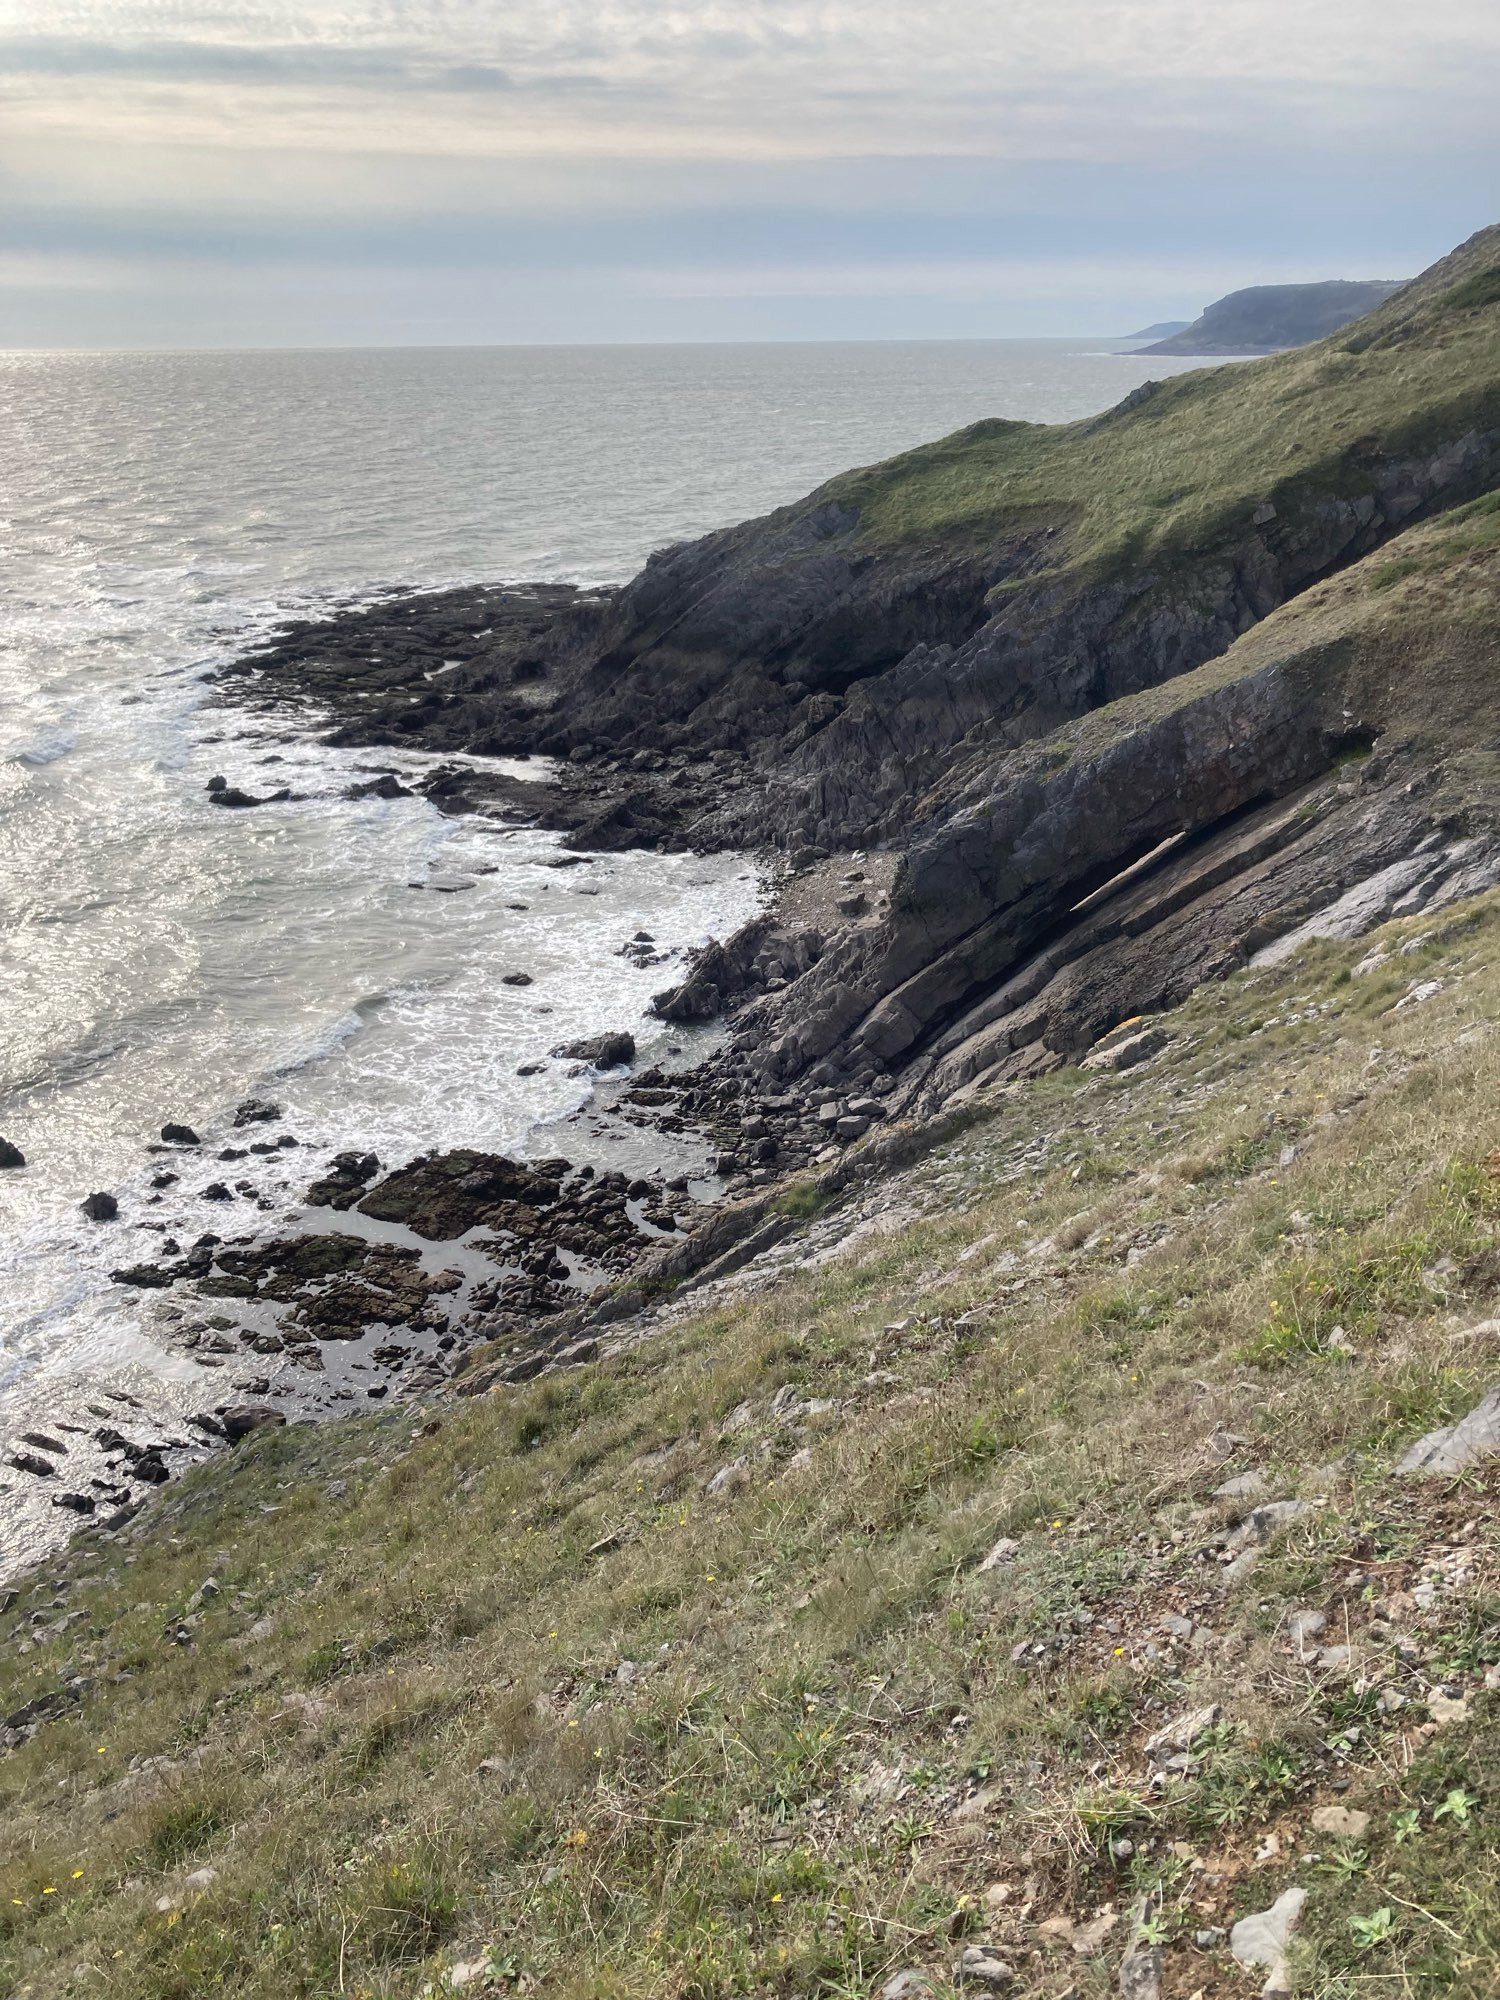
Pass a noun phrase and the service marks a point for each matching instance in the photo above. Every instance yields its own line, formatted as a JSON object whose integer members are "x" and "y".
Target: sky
{"x": 398, "y": 172}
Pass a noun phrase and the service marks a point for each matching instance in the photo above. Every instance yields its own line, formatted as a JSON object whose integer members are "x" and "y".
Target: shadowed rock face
{"x": 867, "y": 686}
{"x": 1025, "y": 659}
{"x": 1342, "y": 758}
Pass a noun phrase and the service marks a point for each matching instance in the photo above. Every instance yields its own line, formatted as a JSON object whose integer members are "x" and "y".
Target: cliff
{"x": 1265, "y": 318}
{"x": 1045, "y": 1546}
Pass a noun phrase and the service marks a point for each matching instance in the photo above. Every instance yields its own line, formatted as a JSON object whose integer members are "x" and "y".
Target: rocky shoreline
{"x": 1032, "y": 771}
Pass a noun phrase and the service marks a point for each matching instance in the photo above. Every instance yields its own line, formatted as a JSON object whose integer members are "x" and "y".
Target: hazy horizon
{"x": 229, "y": 174}
{"x": 1110, "y": 341}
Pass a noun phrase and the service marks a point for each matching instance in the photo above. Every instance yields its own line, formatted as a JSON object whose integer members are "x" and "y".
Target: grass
{"x": 531, "y": 1699}
{"x": 1162, "y": 483}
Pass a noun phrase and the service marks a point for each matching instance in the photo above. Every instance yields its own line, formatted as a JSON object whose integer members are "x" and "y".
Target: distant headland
{"x": 1263, "y": 319}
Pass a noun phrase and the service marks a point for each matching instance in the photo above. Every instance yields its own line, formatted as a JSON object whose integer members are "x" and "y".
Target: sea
{"x": 161, "y": 959}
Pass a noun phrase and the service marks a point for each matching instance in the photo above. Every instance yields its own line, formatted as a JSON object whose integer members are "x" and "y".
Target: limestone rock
{"x": 1005, "y": 1551}
{"x": 1260, "y": 1941}
{"x": 1181, "y": 1733}
{"x": 1450, "y": 1450}
{"x": 912, "y": 1984}
{"x": 979, "y": 1966}
{"x": 1340, "y": 1822}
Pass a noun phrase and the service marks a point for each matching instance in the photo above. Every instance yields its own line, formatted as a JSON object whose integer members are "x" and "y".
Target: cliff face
{"x": 1200, "y": 686}
{"x": 1023, "y": 657}
{"x": 913, "y": 620}
{"x": 1349, "y": 741}
{"x": 1263, "y": 319}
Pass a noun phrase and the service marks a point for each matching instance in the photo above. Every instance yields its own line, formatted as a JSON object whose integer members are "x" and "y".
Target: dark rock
{"x": 216, "y": 1191}
{"x": 151, "y": 1469}
{"x": 443, "y": 1195}
{"x": 217, "y": 784}
{"x": 100, "y": 1207}
{"x": 149, "y": 1277}
{"x": 233, "y": 797}
{"x": 257, "y": 1111}
{"x": 44, "y": 1443}
{"x": 515, "y": 979}
{"x": 41, "y": 1708}
{"x": 76, "y": 1503}
{"x": 180, "y": 1135}
{"x": 11, "y": 1156}
{"x": 27, "y": 1461}
{"x": 340, "y": 1186}
{"x": 242, "y": 1419}
{"x": 614, "y": 1051}
{"x": 387, "y": 786}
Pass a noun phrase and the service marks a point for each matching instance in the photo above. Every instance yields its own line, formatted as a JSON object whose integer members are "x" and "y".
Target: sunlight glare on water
{"x": 161, "y": 959}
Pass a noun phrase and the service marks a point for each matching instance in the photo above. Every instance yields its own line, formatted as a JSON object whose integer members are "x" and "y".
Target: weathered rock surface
{"x": 443, "y": 1195}
{"x": 610, "y": 1051}
{"x": 1261, "y": 1941}
{"x": 1455, "y": 1447}
{"x": 1114, "y": 762}
{"x": 348, "y": 1174}
{"x": 242, "y": 1420}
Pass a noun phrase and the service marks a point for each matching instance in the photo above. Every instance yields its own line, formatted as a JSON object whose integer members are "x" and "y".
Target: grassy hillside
{"x": 683, "y": 1674}
{"x": 1176, "y": 471}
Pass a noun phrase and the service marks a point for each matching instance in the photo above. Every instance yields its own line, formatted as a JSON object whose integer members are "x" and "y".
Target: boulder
{"x": 257, "y": 1111}
{"x": 387, "y": 786}
{"x": 180, "y": 1135}
{"x": 1127, "y": 1052}
{"x": 241, "y": 1420}
{"x": 1260, "y": 1941}
{"x": 100, "y": 1207}
{"x": 608, "y": 1051}
{"x": 1455, "y": 1447}
{"x": 11, "y": 1156}
{"x": 443, "y": 1195}
{"x": 340, "y": 1186}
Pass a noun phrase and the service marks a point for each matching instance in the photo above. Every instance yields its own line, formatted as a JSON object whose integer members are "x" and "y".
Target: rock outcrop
{"x": 1132, "y": 699}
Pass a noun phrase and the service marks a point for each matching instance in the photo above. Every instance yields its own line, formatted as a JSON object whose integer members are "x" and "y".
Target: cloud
{"x": 718, "y": 154}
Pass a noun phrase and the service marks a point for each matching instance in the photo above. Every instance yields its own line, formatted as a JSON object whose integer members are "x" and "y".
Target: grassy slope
{"x": 824, "y": 1760}
{"x": 1184, "y": 467}
{"x": 1411, "y": 630}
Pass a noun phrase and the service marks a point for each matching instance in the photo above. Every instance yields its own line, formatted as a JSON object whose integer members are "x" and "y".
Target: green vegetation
{"x": 1169, "y": 479}
{"x": 499, "y": 1685}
